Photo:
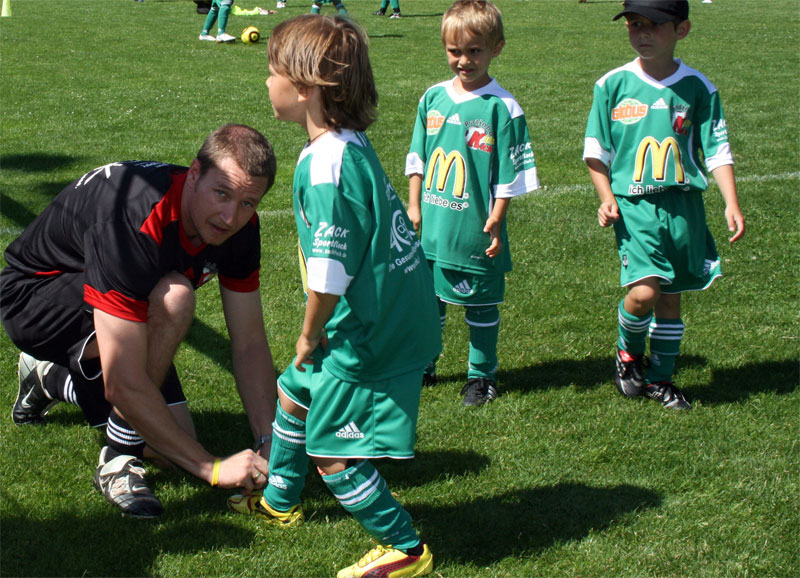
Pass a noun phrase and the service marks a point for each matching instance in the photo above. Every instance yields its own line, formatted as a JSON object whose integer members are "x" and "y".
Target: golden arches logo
{"x": 659, "y": 151}
{"x": 442, "y": 164}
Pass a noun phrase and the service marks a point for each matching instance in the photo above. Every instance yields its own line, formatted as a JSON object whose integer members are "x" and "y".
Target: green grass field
{"x": 560, "y": 476}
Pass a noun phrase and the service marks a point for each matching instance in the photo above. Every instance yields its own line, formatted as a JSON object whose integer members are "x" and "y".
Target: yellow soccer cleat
{"x": 388, "y": 562}
{"x": 255, "y": 505}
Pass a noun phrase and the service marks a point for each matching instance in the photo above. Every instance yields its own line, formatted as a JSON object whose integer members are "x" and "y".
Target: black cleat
{"x": 32, "y": 400}
{"x": 668, "y": 394}
{"x": 478, "y": 391}
{"x": 630, "y": 375}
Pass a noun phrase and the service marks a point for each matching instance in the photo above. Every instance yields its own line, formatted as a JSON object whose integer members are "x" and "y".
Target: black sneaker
{"x": 668, "y": 394}
{"x": 630, "y": 375}
{"x": 32, "y": 400}
{"x": 478, "y": 391}
{"x": 379, "y": 13}
{"x": 429, "y": 379}
{"x": 120, "y": 479}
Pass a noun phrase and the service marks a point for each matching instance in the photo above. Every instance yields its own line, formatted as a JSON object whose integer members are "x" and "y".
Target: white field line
{"x": 545, "y": 190}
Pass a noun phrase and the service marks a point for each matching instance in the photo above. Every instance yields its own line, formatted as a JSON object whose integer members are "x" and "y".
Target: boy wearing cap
{"x": 655, "y": 129}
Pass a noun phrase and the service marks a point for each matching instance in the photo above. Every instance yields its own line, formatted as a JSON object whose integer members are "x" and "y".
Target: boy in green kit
{"x": 470, "y": 155}
{"x": 352, "y": 393}
{"x": 655, "y": 128}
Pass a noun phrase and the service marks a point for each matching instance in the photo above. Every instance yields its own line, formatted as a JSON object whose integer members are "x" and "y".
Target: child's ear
{"x": 683, "y": 29}
{"x": 305, "y": 92}
{"x": 498, "y": 49}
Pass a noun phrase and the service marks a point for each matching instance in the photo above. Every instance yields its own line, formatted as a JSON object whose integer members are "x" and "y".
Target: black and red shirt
{"x": 121, "y": 225}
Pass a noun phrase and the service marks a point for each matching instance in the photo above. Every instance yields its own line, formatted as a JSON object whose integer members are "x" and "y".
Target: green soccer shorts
{"x": 356, "y": 420}
{"x": 461, "y": 288}
{"x": 666, "y": 236}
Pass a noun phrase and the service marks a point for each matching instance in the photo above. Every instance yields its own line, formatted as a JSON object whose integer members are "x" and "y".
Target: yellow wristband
{"x": 215, "y": 474}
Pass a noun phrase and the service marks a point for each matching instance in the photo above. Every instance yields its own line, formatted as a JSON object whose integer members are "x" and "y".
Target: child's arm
{"x": 319, "y": 308}
{"x": 608, "y": 213}
{"x": 733, "y": 213}
{"x": 414, "y": 200}
{"x": 493, "y": 225}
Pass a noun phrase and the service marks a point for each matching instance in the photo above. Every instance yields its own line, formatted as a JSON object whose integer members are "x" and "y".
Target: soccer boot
{"x": 396, "y": 15}
{"x": 225, "y": 38}
{"x": 379, "y": 13}
{"x": 207, "y": 38}
{"x": 667, "y": 394}
{"x": 388, "y": 562}
{"x": 629, "y": 376}
{"x": 120, "y": 479}
{"x": 478, "y": 391}
{"x": 256, "y": 505}
{"x": 429, "y": 379}
{"x": 33, "y": 402}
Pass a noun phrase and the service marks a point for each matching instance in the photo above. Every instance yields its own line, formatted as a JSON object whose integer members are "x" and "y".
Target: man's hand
{"x": 246, "y": 470}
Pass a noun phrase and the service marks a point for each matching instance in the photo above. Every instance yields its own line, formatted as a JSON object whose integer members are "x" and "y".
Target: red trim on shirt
{"x": 246, "y": 285}
{"x": 116, "y": 304}
{"x": 167, "y": 210}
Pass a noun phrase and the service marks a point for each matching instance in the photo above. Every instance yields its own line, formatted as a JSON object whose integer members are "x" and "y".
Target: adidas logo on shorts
{"x": 350, "y": 432}
{"x": 463, "y": 288}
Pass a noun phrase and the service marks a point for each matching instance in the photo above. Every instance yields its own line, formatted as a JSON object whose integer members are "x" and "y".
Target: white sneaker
{"x": 280, "y": 4}
{"x": 706, "y": 1}
{"x": 225, "y": 37}
{"x": 207, "y": 37}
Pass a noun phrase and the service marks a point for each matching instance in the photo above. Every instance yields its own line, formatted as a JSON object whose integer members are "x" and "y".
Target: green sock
{"x": 632, "y": 330}
{"x": 665, "y": 344}
{"x": 363, "y": 492}
{"x": 210, "y": 19}
{"x": 224, "y": 10}
{"x": 395, "y": 6}
{"x": 484, "y": 327}
{"x": 288, "y": 462}
{"x": 341, "y": 9}
{"x": 430, "y": 368}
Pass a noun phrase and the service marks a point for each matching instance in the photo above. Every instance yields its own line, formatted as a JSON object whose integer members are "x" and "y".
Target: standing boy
{"x": 470, "y": 155}
{"x": 219, "y": 12}
{"x": 650, "y": 121}
{"x": 352, "y": 392}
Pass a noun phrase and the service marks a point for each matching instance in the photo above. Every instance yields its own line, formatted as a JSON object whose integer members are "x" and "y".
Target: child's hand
{"x": 608, "y": 214}
{"x": 493, "y": 228}
{"x": 415, "y": 217}
{"x": 305, "y": 349}
{"x": 735, "y": 220}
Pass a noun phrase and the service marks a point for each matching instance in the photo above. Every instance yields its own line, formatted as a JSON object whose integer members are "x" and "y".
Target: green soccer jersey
{"x": 356, "y": 241}
{"x": 470, "y": 149}
{"x": 651, "y": 133}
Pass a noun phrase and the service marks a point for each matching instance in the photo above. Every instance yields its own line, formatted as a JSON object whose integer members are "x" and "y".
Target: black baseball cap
{"x": 659, "y": 11}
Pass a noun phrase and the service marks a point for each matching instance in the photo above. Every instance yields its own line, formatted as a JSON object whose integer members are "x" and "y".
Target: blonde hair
{"x": 476, "y": 17}
{"x": 329, "y": 52}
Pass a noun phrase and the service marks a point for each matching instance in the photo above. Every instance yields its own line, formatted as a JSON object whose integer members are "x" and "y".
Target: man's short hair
{"x": 329, "y": 52}
{"x": 479, "y": 18}
{"x": 248, "y": 147}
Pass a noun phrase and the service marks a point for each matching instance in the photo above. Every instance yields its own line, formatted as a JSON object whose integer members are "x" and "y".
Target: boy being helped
{"x": 470, "y": 155}
{"x": 352, "y": 392}
{"x": 649, "y": 122}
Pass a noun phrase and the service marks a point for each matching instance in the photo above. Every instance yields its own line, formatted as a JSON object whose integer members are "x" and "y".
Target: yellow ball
{"x": 251, "y": 35}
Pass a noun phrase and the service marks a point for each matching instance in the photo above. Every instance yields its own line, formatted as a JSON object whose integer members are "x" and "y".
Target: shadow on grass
{"x": 525, "y": 521}
{"x": 70, "y": 544}
{"x": 727, "y": 385}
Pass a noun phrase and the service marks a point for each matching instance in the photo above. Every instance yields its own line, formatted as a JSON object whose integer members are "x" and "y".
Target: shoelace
{"x": 372, "y": 555}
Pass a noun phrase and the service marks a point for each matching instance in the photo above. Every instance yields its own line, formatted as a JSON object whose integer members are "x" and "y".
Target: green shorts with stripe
{"x": 666, "y": 236}
{"x": 356, "y": 420}
{"x": 462, "y": 288}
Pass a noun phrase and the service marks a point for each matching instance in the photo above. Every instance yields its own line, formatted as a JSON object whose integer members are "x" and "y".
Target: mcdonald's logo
{"x": 442, "y": 165}
{"x": 659, "y": 153}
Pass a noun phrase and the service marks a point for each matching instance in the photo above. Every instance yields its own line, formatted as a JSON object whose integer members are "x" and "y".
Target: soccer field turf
{"x": 560, "y": 476}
